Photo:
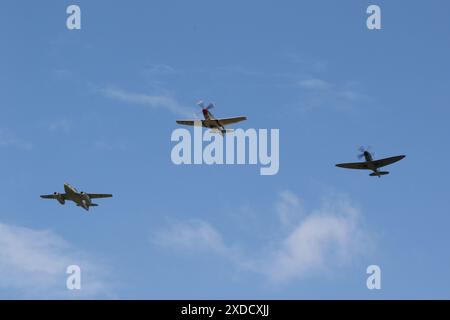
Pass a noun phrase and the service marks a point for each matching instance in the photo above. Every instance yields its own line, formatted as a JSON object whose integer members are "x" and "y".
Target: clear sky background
{"x": 96, "y": 108}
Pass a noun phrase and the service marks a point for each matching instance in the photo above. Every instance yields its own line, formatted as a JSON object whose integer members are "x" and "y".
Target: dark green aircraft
{"x": 371, "y": 164}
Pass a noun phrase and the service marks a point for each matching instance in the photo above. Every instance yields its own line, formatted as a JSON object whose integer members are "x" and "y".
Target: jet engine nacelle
{"x": 85, "y": 197}
{"x": 59, "y": 197}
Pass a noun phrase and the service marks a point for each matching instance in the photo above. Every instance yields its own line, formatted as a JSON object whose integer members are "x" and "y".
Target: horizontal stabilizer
{"x": 221, "y": 131}
{"x": 380, "y": 173}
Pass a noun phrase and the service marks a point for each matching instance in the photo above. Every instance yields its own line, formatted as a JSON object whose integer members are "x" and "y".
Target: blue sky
{"x": 96, "y": 108}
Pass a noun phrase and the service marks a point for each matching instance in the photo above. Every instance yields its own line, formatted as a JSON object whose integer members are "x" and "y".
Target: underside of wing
{"x": 99, "y": 195}
{"x": 227, "y": 121}
{"x": 190, "y": 122}
{"x": 49, "y": 196}
{"x": 353, "y": 165}
{"x": 387, "y": 161}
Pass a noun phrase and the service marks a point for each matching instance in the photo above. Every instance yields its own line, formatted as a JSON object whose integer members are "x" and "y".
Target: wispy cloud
{"x": 60, "y": 125}
{"x": 318, "y": 88}
{"x": 62, "y": 73}
{"x": 239, "y": 70}
{"x": 289, "y": 208}
{"x": 314, "y": 84}
{"x": 108, "y": 145}
{"x": 195, "y": 235}
{"x": 318, "y": 93}
{"x": 327, "y": 237}
{"x": 33, "y": 264}
{"x": 159, "y": 70}
{"x": 9, "y": 139}
{"x": 308, "y": 63}
{"x": 153, "y": 101}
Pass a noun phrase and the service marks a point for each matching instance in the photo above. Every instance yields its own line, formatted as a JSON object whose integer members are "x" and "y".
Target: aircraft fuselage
{"x": 212, "y": 122}
{"x": 370, "y": 164}
{"x": 80, "y": 198}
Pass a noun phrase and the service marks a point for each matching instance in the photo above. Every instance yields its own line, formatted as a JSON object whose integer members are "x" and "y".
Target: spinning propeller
{"x": 363, "y": 150}
{"x": 202, "y": 105}
{"x": 205, "y": 110}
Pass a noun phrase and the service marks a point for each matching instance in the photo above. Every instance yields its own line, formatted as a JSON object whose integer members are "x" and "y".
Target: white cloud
{"x": 159, "y": 69}
{"x": 8, "y": 139}
{"x": 33, "y": 264}
{"x": 152, "y": 101}
{"x": 196, "y": 236}
{"x": 289, "y": 208}
{"x": 191, "y": 235}
{"x": 319, "y": 93}
{"x": 316, "y": 65}
{"x": 325, "y": 238}
{"x": 314, "y": 84}
{"x": 239, "y": 70}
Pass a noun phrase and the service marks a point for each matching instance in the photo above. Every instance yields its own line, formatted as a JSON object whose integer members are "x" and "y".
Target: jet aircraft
{"x": 81, "y": 199}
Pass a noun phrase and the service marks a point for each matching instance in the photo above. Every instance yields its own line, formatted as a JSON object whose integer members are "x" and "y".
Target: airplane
{"x": 371, "y": 164}
{"x": 82, "y": 199}
{"x": 217, "y": 125}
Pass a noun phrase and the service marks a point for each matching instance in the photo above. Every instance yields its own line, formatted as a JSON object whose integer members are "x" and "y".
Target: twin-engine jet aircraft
{"x": 371, "y": 164}
{"x": 82, "y": 199}
{"x": 217, "y": 125}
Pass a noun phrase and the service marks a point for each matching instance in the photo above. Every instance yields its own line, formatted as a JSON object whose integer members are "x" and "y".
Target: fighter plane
{"x": 371, "y": 164}
{"x": 217, "y": 125}
{"x": 82, "y": 199}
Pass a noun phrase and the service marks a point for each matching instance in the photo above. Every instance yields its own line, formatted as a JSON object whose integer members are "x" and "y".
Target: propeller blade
{"x": 201, "y": 104}
{"x": 363, "y": 150}
{"x": 210, "y": 106}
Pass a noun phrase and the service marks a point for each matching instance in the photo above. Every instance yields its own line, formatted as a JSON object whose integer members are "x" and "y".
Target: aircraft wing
{"x": 99, "y": 195}
{"x": 51, "y": 196}
{"x": 227, "y": 121}
{"x": 189, "y": 122}
{"x": 353, "y": 165}
{"x": 387, "y": 161}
